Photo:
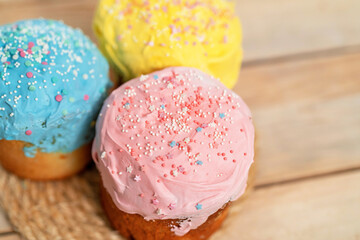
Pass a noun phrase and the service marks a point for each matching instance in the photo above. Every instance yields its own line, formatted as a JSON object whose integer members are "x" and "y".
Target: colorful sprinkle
{"x": 28, "y": 132}
{"x": 222, "y": 115}
{"x": 31, "y": 45}
{"x": 129, "y": 169}
{"x": 172, "y": 144}
{"x": 86, "y": 97}
{"x": 198, "y": 162}
{"x": 29, "y": 74}
{"x": 172, "y": 206}
{"x": 58, "y": 98}
{"x": 174, "y": 173}
{"x": 27, "y": 63}
{"x": 126, "y": 105}
{"x": 198, "y": 206}
{"x": 137, "y": 178}
{"x": 199, "y": 129}
{"x": 155, "y": 201}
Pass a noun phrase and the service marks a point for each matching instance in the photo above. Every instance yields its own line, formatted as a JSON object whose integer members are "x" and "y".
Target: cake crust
{"x": 44, "y": 166}
{"x": 134, "y": 226}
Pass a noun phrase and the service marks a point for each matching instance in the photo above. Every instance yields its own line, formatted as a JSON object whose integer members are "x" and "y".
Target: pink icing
{"x": 175, "y": 144}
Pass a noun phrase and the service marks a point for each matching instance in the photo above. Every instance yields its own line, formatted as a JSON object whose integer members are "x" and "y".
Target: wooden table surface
{"x": 301, "y": 78}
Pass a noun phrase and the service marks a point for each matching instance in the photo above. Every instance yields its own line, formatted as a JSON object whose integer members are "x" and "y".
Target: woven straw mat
{"x": 69, "y": 209}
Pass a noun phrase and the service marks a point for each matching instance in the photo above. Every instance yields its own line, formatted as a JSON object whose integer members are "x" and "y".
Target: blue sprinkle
{"x": 222, "y": 115}
{"x": 172, "y": 144}
{"x": 198, "y": 129}
{"x": 162, "y": 106}
{"x": 198, "y": 206}
{"x": 198, "y": 162}
{"x": 156, "y": 77}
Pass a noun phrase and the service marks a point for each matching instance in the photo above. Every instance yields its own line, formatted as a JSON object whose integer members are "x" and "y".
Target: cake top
{"x": 52, "y": 82}
{"x": 175, "y": 144}
{"x": 140, "y": 36}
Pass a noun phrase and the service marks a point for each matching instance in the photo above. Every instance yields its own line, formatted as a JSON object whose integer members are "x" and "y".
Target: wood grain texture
{"x": 271, "y": 28}
{"x": 76, "y": 13}
{"x": 306, "y": 114}
{"x": 325, "y": 208}
{"x": 4, "y": 224}
{"x": 277, "y": 28}
{"x": 12, "y": 236}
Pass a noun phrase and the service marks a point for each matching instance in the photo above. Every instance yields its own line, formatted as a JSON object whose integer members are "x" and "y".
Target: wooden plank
{"x": 277, "y": 28}
{"x": 77, "y": 13}
{"x": 12, "y": 236}
{"x": 306, "y": 114}
{"x": 271, "y": 29}
{"x": 323, "y": 208}
{"x": 4, "y": 224}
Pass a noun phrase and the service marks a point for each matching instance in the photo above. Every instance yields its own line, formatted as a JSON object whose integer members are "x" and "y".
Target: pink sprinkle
{"x": 29, "y": 74}
{"x": 22, "y": 54}
{"x": 31, "y": 45}
{"x": 28, "y": 132}
{"x": 58, "y": 98}
{"x": 155, "y": 201}
{"x": 172, "y": 206}
{"x": 29, "y": 51}
{"x": 86, "y": 97}
{"x": 44, "y": 63}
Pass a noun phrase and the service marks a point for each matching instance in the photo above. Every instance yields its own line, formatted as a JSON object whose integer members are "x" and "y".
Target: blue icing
{"x": 30, "y": 151}
{"x": 53, "y": 81}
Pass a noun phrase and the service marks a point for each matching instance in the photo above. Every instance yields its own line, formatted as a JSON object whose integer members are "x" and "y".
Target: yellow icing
{"x": 141, "y": 36}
